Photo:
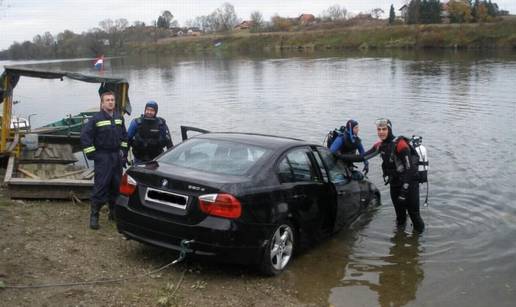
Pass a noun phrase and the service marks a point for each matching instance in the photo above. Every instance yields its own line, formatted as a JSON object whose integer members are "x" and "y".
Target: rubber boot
{"x": 111, "y": 214}
{"x": 94, "y": 216}
{"x": 417, "y": 222}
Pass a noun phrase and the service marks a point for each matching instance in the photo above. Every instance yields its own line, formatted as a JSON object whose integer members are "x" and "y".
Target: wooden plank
{"x": 88, "y": 174}
{"x": 39, "y": 192}
{"x": 27, "y": 173}
{"x": 9, "y": 170}
{"x": 15, "y": 141}
{"x": 54, "y": 151}
{"x": 67, "y": 174}
{"x": 51, "y": 182}
{"x": 38, "y": 152}
{"x": 49, "y": 153}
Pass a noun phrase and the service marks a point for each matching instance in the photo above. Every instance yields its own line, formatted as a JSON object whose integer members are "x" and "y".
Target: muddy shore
{"x": 47, "y": 243}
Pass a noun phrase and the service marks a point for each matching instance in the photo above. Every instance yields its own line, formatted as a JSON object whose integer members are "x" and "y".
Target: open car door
{"x": 186, "y": 129}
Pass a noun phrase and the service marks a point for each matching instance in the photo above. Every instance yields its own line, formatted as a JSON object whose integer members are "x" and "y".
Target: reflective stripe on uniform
{"x": 88, "y": 150}
{"x": 103, "y": 123}
{"x": 118, "y": 122}
{"x": 123, "y": 144}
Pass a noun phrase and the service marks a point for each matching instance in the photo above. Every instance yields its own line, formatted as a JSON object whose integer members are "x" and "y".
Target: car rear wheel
{"x": 279, "y": 251}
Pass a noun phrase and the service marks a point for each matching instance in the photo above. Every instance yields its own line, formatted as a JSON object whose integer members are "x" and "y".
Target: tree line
{"x": 112, "y": 37}
{"x": 454, "y": 11}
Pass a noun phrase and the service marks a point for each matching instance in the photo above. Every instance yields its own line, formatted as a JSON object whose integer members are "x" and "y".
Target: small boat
{"x": 68, "y": 126}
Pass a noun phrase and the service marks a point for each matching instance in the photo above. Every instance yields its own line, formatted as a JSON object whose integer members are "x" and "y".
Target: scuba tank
{"x": 332, "y": 135}
{"x": 422, "y": 171}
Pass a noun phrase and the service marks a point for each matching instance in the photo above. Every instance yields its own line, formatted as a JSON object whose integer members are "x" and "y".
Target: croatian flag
{"x": 99, "y": 63}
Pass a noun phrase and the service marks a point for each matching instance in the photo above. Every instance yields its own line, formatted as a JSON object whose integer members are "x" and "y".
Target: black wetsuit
{"x": 400, "y": 167}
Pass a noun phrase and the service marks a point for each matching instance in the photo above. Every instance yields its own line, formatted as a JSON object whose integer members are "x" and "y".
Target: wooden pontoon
{"x": 49, "y": 171}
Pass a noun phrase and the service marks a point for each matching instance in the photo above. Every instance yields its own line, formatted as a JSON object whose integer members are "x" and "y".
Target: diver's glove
{"x": 402, "y": 197}
{"x": 365, "y": 170}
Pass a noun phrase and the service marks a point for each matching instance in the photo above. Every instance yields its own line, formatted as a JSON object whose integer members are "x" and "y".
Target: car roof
{"x": 262, "y": 140}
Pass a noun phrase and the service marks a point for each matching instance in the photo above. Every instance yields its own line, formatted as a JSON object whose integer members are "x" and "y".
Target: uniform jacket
{"x": 103, "y": 133}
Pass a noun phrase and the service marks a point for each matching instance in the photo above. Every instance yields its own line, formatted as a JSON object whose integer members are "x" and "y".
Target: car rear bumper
{"x": 213, "y": 237}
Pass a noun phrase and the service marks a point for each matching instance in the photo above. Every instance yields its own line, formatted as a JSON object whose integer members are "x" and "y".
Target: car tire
{"x": 279, "y": 250}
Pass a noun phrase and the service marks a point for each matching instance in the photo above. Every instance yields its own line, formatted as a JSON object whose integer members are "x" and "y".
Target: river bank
{"x": 49, "y": 243}
{"x": 499, "y": 35}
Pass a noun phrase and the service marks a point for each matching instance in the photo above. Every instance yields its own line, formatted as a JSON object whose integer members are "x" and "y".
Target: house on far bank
{"x": 177, "y": 31}
{"x": 244, "y": 25}
{"x": 404, "y": 12}
{"x": 445, "y": 14}
{"x": 306, "y": 19}
{"x": 194, "y": 31}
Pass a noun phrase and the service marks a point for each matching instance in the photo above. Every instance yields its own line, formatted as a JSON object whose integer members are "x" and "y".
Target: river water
{"x": 463, "y": 105}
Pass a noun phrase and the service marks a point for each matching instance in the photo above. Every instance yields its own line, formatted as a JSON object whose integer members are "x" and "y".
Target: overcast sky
{"x": 21, "y": 20}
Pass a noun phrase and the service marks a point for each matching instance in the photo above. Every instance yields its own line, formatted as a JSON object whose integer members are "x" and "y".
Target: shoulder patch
{"x": 401, "y": 146}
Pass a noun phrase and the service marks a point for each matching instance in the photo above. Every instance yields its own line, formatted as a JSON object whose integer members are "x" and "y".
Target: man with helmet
{"x": 148, "y": 134}
{"x": 400, "y": 166}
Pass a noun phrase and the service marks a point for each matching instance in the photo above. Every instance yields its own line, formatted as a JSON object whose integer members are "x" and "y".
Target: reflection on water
{"x": 394, "y": 277}
{"x": 462, "y": 104}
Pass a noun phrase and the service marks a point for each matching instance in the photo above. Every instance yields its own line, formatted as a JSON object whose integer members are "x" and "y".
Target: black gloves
{"x": 123, "y": 157}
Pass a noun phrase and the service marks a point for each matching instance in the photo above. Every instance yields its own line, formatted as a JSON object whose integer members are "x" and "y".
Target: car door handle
{"x": 299, "y": 196}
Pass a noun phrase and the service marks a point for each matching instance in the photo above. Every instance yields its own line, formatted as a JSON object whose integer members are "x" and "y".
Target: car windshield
{"x": 215, "y": 156}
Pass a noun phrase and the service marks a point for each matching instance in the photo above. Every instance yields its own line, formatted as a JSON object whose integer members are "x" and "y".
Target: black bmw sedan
{"x": 245, "y": 198}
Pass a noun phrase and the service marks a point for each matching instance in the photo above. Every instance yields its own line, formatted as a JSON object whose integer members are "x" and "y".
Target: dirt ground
{"x": 46, "y": 242}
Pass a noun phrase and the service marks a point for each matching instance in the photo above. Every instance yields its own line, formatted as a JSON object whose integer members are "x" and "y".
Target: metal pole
{"x": 6, "y": 115}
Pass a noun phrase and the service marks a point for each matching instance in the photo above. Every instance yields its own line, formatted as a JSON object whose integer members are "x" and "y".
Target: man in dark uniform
{"x": 148, "y": 134}
{"x": 399, "y": 165}
{"x": 104, "y": 140}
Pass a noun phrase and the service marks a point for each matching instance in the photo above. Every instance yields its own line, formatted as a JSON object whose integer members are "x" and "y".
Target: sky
{"x": 21, "y": 20}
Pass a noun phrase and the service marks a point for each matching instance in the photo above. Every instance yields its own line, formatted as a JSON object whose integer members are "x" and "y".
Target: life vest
{"x": 392, "y": 165}
{"x": 147, "y": 143}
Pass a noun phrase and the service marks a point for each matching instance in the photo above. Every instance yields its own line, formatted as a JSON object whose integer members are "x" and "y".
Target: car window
{"x": 337, "y": 169}
{"x": 215, "y": 156}
{"x": 297, "y": 167}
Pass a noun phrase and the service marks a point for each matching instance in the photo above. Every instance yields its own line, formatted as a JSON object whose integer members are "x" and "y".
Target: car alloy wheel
{"x": 279, "y": 250}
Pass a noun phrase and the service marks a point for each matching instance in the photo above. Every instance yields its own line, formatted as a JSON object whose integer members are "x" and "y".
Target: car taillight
{"x": 223, "y": 205}
{"x": 127, "y": 185}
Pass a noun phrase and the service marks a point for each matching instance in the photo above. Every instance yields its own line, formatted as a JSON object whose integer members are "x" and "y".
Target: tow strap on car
{"x": 185, "y": 247}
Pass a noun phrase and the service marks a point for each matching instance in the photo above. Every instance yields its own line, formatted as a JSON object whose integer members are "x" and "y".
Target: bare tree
{"x": 257, "y": 21}
{"x": 334, "y": 12}
{"x": 376, "y": 13}
{"x": 107, "y": 25}
{"x": 225, "y": 17}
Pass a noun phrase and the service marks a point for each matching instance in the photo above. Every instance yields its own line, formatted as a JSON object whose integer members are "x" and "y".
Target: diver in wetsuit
{"x": 400, "y": 166}
{"x": 346, "y": 145}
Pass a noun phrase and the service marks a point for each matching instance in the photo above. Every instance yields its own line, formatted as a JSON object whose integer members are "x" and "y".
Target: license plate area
{"x": 166, "y": 198}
